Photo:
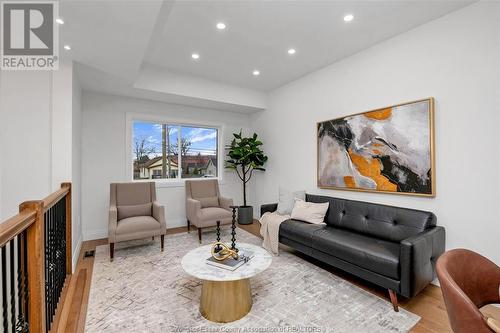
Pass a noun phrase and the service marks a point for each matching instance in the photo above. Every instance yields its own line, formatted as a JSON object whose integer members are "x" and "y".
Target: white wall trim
{"x": 178, "y": 182}
{"x": 76, "y": 253}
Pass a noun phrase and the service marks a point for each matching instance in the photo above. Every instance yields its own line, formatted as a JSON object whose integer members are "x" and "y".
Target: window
{"x": 171, "y": 151}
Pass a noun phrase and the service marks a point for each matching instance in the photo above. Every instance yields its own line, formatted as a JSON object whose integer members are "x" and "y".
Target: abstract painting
{"x": 386, "y": 150}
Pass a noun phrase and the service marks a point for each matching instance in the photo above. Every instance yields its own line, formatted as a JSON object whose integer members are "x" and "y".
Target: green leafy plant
{"x": 245, "y": 156}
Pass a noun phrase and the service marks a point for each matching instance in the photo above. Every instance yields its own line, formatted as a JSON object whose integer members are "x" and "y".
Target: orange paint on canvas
{"x": 381, "y": 114}
{"x": 349, "y": 181}
{"x": 371, "y": 169}
{"x": 376, "y": 151}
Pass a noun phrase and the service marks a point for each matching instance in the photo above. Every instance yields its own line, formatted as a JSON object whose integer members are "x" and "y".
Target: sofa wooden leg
{"x": 189, "y": 226}
{"x": 162, "y": 242}
{"x": 199, "y": 234}
{"x": 394, "y": 300}
{"x": 111, "y": 251}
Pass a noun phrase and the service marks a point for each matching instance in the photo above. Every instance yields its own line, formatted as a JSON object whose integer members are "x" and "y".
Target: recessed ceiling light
{"x": 221, "y": 26}
{"x": 348, "y": 17}
{"x": 195, "y": 56}
{"x": 59, "y": 21}
{"x": 291, "y": 51}
{"x": 67, "y": 47}
{"x": 256, "y": 73}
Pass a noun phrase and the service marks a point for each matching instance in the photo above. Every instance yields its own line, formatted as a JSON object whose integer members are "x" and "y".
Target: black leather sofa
{"x": 393, "y": 247}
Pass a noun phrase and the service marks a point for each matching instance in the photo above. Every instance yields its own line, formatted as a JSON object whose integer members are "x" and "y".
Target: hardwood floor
{"x": 428, "y": 304}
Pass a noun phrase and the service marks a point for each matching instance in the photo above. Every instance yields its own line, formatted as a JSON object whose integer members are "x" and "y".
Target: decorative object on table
{"x": 134, "y": 213}
{"x": 218, "y": 247}
{"x": 387, "y": 150}
{"x": 225, "y": 253}
{"x": 205, "y": 206}
{"x": 245, "y": 156}
{"x": 233, "y": 231}
{"x": 229, "y": 259}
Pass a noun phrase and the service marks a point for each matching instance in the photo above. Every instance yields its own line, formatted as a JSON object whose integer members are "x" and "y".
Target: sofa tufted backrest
{"x": 381, "y": 221}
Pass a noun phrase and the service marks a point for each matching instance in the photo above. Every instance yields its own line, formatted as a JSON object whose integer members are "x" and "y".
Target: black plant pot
{"x": 245, "y": 214}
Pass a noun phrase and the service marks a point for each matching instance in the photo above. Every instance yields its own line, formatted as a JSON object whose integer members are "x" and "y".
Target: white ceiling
{"x": 259, "y": 33}
{"x": 124, "y": 39}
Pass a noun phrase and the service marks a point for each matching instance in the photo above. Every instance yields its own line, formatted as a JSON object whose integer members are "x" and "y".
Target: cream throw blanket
{"x": 269, "y": 229}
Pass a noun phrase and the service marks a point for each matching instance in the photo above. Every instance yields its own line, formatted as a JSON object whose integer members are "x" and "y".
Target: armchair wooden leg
{"x": 111, "y": 251}
{"x": 153, "y": 238}
{"x": 162, "y": 242}
{"x": 189, "y": 226}
{"x": 199, "y": 235}
{"x": 394, "y": 300}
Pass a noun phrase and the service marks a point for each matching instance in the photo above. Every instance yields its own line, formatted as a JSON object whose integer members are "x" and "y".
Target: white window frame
{"x": 170, "y": 182}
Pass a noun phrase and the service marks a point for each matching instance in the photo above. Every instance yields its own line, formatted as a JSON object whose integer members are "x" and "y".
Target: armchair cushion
{"x": 136, "y": 225}
{"x": 134, "y": 210}
{"x": 209, "y": 202}
{"x": 210, "y": 215}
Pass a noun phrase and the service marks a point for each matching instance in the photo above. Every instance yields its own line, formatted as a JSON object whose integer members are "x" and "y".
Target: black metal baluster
{"x": 52, "y": 257}
{"x": 22, "y": 320}
{"x": 4, "y": 290}
{"x": 19, "y": 283}
{"x": 65, "y": 244}
{"x": 26, "y": 292}
{"x": 12, "y": 287}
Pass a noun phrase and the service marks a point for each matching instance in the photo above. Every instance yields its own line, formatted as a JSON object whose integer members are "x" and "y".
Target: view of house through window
{"x": 162, "y": 151}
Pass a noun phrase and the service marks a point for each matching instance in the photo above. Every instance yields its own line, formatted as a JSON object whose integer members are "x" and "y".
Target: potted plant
{"x": 245, "y": 156}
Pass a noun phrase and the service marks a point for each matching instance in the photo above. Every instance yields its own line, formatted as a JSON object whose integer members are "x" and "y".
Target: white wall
{"x": 25, "y": 134}
{"x": 104, "y": 155}
{"x": 38, "y": 123}
{"x": 455, "y": 59}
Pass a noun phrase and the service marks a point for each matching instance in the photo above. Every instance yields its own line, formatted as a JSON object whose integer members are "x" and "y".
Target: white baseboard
{"x": 176, "y": 223}
{"x": 76, "y": 253}
{"x": 95, "y": 234}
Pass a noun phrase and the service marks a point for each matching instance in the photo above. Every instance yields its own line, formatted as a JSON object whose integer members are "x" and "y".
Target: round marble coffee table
{"x": 226, "y": 295}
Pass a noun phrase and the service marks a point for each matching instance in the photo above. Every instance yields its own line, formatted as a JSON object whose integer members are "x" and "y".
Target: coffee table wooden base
{"x": 225, "y": 301}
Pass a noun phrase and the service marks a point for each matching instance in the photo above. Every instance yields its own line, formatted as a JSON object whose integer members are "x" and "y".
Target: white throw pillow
{"x": 309, "y": 211}
{"x": 287, "y": 200}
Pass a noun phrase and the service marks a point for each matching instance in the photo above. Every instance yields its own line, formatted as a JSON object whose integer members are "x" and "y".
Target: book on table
{"x": 230, "y": 263}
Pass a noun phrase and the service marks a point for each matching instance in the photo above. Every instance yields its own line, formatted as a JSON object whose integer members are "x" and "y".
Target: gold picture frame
{"x": 337, "y": 133}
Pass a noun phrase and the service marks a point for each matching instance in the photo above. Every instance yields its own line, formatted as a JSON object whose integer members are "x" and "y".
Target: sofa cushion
{"x": 137, "y": 224}
{"x": 209, "y": 202}
{"x": 134, "y": 210}
{"x": 309, "y": 211}
{"x": 298, "y": 231}
{"x": 374, "y": 254}
{"x": 386, "y": 222}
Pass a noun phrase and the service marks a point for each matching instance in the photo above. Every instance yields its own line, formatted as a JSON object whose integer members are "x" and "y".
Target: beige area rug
{"x": 145, "y": 290}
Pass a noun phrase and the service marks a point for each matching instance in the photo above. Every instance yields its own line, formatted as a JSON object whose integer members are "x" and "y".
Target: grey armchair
{"x": 205, "y": 206}
{"x": 134, "y": 214}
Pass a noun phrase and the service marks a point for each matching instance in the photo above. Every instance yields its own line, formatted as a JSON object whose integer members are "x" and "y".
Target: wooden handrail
{"x": 53, "y": 198}
{"x": 15, "y": 225}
